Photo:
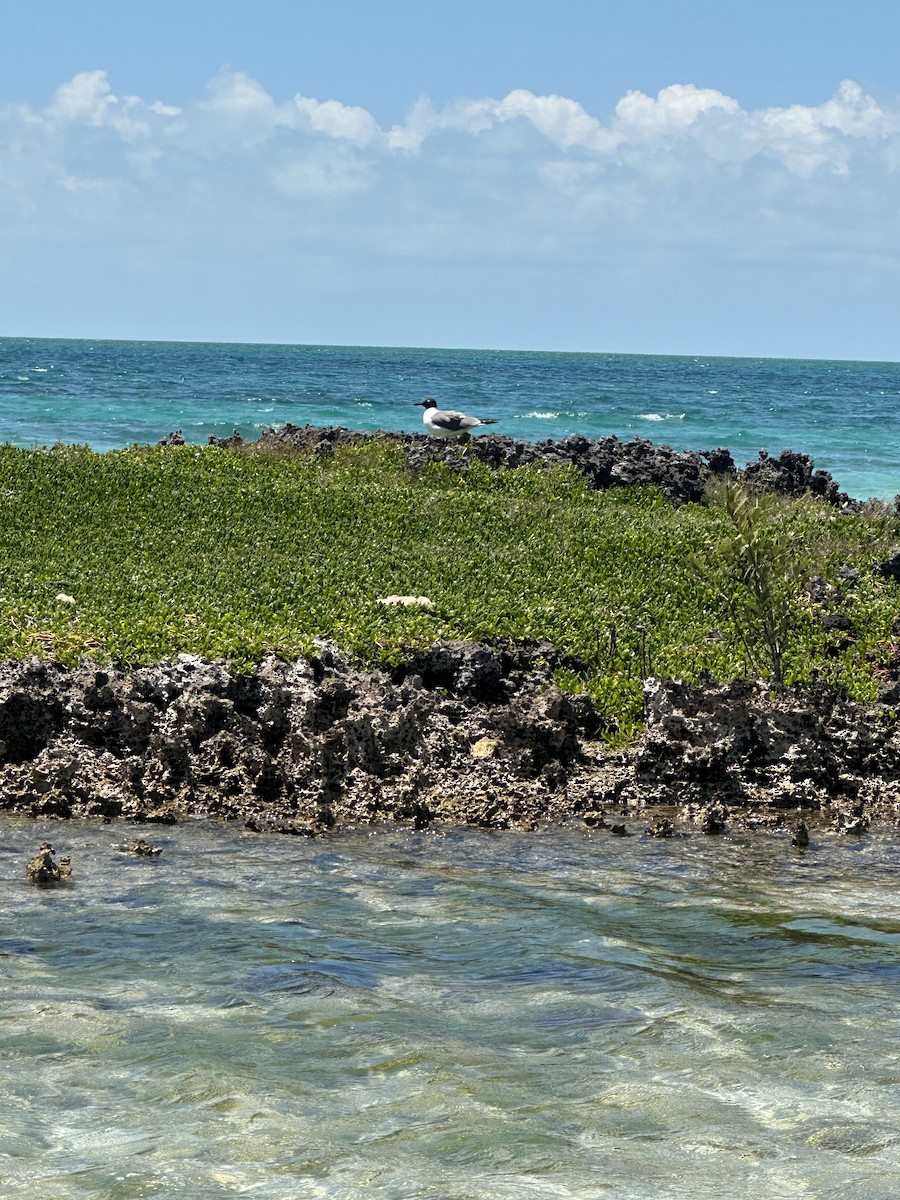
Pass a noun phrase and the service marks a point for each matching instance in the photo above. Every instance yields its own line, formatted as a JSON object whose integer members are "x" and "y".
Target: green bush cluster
{"x": 237, "y": 554}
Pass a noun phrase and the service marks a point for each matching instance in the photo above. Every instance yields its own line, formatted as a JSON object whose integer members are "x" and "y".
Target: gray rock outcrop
{"x": 607, "y": 462}
{"x": 460, "y": 733}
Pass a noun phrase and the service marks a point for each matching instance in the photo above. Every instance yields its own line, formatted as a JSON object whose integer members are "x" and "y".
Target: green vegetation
{"x": 756, "y": 572}
{"x": 236, "y": 554}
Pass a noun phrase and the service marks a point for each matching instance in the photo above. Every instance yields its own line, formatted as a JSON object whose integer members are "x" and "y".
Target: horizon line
{"x": 163, "y": 341}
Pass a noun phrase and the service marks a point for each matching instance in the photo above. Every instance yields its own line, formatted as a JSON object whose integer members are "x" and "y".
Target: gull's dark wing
{"x": 453, "y": 422}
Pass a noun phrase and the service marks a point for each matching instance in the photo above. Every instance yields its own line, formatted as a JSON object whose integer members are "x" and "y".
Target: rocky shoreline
{"x": 459, "y": 734}
{"x": 682, "y": 475}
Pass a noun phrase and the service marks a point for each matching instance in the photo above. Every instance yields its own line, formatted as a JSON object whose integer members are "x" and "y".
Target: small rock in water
{"x": 139, "y": 847}
{"x": 661, "y": 828}
{"x": 800, "y": 836}
{"x": 854, "y": 822}
{"x": 713, "y": 818}
{"x": 595, "y": 820}
{"x": 44, "y": 869}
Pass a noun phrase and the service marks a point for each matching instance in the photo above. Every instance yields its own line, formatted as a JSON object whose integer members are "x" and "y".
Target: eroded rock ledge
{"x": 458, "y": 734}
{"x": 606, "y": 462}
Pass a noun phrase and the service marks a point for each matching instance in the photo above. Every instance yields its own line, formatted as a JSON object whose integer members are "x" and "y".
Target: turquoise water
{"x": 458, "y": 1017}
{"x": 846, "y": 415}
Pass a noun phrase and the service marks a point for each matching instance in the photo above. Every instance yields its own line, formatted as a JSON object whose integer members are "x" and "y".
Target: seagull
{"x": 444, "y": 423}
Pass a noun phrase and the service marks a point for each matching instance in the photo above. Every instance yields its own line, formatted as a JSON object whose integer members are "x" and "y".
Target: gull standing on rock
{"x": 445, "y": 423}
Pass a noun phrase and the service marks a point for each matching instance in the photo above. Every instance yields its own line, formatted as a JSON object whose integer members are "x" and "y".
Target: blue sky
{"x": 654, "y": 177}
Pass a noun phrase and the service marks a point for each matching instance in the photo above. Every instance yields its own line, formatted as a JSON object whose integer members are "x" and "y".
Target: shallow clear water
{"x": 845, "y": 415}
{"x": 452, "y": 1016}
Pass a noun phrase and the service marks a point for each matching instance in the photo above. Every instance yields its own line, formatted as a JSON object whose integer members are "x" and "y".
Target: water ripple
{"x": 470, "y": 1015}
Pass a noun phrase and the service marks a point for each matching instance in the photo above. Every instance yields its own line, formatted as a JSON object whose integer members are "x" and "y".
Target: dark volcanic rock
{"x": 743, "y": 745}
{"x": 890, "y": 568}
{"x": 295, "y": 746}
{"x": 607, "y": 462}
{"x": 458, "y": 733}
{"x": 31, "y": 712}
{"x": 793, "y": 475}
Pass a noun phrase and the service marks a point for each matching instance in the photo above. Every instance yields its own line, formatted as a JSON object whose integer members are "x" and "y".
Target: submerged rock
{"x": 661, "y": 828}
{"x": 139, "y": 848}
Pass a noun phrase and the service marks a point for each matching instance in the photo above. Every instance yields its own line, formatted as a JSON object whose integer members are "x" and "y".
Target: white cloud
{"x": 339, "y": 120}
{"x": 826, "y": 136}
{"x": 88, "y": 99}
{"x": 852, "y": 112}
{"x": 674, "y": 111}
{"x": 563, "y": 122}
{"x": 689, "y": 161}
{"x": 236, "y": 96}
{"x": 424, "y": 121}
{"x": 238, "y": 113}
{"x": 683, "y": 119}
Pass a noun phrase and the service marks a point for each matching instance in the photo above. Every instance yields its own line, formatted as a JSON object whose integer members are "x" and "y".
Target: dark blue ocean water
{"x": 846, "y": 415}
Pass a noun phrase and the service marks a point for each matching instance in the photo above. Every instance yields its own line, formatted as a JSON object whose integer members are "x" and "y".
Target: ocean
{"x": 466, "y": 1015}
{"x": 844, "y": 415}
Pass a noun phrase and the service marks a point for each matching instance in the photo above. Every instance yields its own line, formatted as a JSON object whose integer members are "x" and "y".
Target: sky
{"x": 661, "y": 176}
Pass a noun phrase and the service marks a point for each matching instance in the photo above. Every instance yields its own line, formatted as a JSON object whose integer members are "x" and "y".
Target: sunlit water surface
{"x": 453, "y": 1016}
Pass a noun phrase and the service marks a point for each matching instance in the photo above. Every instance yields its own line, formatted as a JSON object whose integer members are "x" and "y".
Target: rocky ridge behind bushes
{"x": 607, "y": 462}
